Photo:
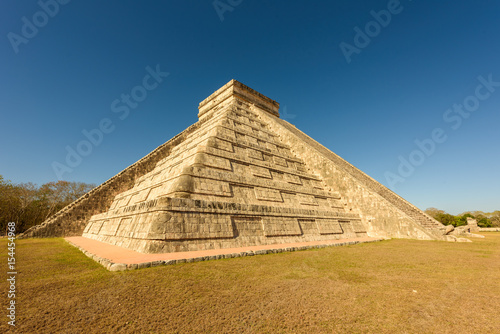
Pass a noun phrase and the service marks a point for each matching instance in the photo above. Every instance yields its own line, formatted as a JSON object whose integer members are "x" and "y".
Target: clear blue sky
{"x": 62, "y": 77}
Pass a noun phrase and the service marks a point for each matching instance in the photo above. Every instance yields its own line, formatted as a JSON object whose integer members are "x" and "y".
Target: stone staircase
{"x": 416, "y": 214}
{"x": 410, "y": 210}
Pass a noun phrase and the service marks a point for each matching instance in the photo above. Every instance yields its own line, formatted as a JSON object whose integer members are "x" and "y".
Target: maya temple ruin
{"x": 239, "y": 176}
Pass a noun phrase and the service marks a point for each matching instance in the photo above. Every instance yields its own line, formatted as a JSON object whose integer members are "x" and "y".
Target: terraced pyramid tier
{"x": 240, "y": 176}
{"x": 231, "y": 183}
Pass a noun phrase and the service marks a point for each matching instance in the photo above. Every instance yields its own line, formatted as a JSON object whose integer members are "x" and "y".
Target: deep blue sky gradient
{"x": 368, "y": 111}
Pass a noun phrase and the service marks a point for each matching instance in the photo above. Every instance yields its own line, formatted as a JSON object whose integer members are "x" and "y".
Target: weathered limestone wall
{"x": 179, "y": 224}
{"x": 239, "y": 176}
{"x": 72, "y": 219}
{"x": 381, "y": 218}
{"x": 231, "y": 183}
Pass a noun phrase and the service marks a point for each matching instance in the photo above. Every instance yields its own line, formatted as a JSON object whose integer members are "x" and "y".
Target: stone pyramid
{"x": 240, "y": 176}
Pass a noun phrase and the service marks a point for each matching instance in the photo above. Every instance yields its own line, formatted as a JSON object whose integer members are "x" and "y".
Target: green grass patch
{"x": 392, "y": 286}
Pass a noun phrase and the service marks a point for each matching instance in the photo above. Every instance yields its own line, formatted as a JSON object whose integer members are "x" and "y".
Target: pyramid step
{"x": 190, "y": 192}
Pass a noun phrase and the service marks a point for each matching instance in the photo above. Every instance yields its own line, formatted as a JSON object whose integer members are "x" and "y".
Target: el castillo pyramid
{"x": 240, "y": 176}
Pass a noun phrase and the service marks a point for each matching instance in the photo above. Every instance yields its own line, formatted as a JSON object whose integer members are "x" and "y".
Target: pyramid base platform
{"x": 115, "y": 258}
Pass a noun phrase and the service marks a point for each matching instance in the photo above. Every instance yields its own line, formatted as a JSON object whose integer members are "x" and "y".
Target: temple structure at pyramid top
{"x": 235, "y": 89}
{"x": 240, "y": 176}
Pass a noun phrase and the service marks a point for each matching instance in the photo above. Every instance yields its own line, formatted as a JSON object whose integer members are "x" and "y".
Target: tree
{"x": 61, "y": 193}
{"x": 445, "y": 219}
{"x": 433, "y": 212}
{"x": 484, "y": 222}
{"x": 462, "y": 220}
{"x": 494, "y": 218}
{"x": 29, "y": 205}
{"x": 483, "y": 219}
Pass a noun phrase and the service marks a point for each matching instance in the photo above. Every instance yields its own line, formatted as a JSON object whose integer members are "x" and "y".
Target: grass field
{"x": 395, "y": 286}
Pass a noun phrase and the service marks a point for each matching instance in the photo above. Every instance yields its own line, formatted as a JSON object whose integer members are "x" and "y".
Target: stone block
{"x": 239, "y": 176}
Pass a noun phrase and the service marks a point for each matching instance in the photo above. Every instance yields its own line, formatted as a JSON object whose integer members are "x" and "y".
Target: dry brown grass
{"x": 396, "y": 286}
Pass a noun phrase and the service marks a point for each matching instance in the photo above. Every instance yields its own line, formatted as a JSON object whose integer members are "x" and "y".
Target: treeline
{"x": 484, "y": 219}
{"x": 28, "y": 205}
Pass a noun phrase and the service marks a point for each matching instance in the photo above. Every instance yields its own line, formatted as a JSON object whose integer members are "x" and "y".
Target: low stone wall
{"x": 489, "y": 229}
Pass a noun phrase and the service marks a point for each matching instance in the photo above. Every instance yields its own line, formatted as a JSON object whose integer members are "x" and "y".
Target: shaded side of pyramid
{"x": 242, "y": 176}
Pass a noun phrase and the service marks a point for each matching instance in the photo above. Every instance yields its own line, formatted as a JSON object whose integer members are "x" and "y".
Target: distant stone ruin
{"x": 472, "y": 225}
{"x": 240, "y": 176}
{"x": 468, "y": 230}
